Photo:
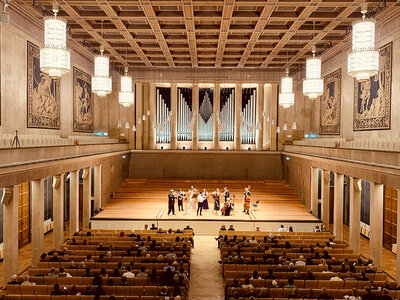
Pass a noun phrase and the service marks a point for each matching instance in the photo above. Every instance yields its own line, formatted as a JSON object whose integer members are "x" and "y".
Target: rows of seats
{"x": 281, "y": 264}
{"x": 85, "y": 297}
{"x": 39, "y": 140}
{"x": 95, "y": 263}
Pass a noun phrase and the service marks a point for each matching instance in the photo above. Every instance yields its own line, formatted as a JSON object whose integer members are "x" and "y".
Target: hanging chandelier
{"x": 101, "y": 82}
{"x": 286, "y": 96}
{"x": 54, "y": 57}
{"x": 363, "y": 61}
{"x": 313, "y": 85}
{"x": 126, "y": 97}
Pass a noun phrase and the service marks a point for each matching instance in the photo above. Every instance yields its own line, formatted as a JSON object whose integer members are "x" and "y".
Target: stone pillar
{"x": 87, "y": 198}
{"x": 37, "y": 196}
{"x": 97, "y": 187}
{"x": 398, "y": 238}
{"x": 314, "y": 191}
{"x": 259, "y": 117}
{"x": 355, "y": 215}
{"x": 238, "y": 121}
{"x": 139, "y": 113}
{"x": 146, "y": 127}
{"x": 376, "y": 224}
{"x": 216, "y": 116}
{"x": 10, "y": 233}
{"x": 195, "y": 111}
{"x": 338, "y": 207}
{"x": 267, "y": 88}
{"x": 325, "y": 186}
{"x": 273, "y": 108}
{"x": 73, "y": 202}
{"x": 153, "y": 113}
{"x": 174, "y": 117}
{"x": 58, "y": 211}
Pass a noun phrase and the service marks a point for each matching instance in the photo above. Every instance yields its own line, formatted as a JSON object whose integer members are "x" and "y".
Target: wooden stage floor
{"x": 146, "y": 199}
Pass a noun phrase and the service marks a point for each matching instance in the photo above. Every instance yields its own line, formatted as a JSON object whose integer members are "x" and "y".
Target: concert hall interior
{"x": 196, "y": 149}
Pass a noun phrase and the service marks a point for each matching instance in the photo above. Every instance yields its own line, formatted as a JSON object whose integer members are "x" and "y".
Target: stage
{"x": 144, "y": 201}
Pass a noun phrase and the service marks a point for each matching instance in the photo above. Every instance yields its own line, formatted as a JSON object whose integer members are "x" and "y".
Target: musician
{"x": 171, "y": 202}
{"x": 246, "y": 200}
{"x": 226, "y": 194}
{"x": 205, "y": 199}
{"x": 200, "y": 200}
{"x": 180, "y": 196}
{"x": 192, "y": 198}
{"x": 228, "y": 206}
{"x": 217, "y": 205}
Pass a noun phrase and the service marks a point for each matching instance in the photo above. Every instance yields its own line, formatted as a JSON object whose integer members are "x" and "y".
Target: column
{"x": 273, "y": 107}
{"x": 139, "y": 113}
{"x": 259, "y": 117}
{"x": 37, "y": 196}
{"x": 216, "y": 116}
{"x": 267, "y": 88}
{"x": 58, "y": 211}
{"x": 398, "y": 238}
{"x": 10, "y": 233}
{"x": 87, "y": 198}
{"x": 314, "y": 191}
{"x": 153, "y": 112}
{"x": 376, "y": 226}
{"x": 195, "y": 111}
{"x": 174, "y": 117}
{"x": 146, "y": 127}
{"x": 238, "y": 110}
{"x": 355, "y": 215}
{"x": 338, "y": 207}
{"x": 325, "y": 186}
{"x": 97, "y": 187}
{"x": 73, "y": 202}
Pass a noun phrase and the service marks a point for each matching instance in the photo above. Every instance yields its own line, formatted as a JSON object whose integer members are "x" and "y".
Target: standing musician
{"x": 200, "y": 199}
{"x": 246, "y": 201}
{"x": 171, "y": 202}
{"x": 180, "y": 196}
{"x": 217, "y": 205}
{"x": 205, "y": 199}
{"x": 193, "y": 192}
{"x": 226, "y": 194}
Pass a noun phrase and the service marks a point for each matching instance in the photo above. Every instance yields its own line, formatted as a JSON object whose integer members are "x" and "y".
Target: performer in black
{"x": 226, "y": 194}
{"x": 171, "y": 202}
{"x": 217, "y": 205}
{"x": 180, "y": 199}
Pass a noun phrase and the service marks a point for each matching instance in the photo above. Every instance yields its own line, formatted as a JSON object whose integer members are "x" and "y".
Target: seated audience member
{"x": 98, "y": 292}
{"x": 301, "y": 261}
{"x": 231, "y": 228}
{"x": 274, "y": 284}
{"x": 88, "y": 291}
{"x": 128, "y": 273}
{"x": 363, "y": 276}
{"x": 349, "y": 277}
{"x": 124, "y": 281}
{"x": 326, "y": 255}
{"x": 324, "y": 294}
{"x": 255, "y": 275}
{"x": 282, "y": 229}
{"x": 368, "y": 295}
{"x": 101, "y": 258}
{"x": 27, "y": 281}
{"x": 310, "y": 275}
{"x": 310, "y": 294}
{"x": 88, "y": 273}
{"x": 73, "y": 291}
{"x": 336, "y": 278}
{"x": 270, "y": 274}
{"x": 290, "y": 284}
{"x": 290, "y": 229}
{"x": 89, "y": 259}
{"x": 142, "y": 273}
{"x": 52, "y": 272}
{"x": 154, "y": 278}
{"x": 55, "y": 257}
{"x": 14, "y": 280}
{"x": 317, "y": 229}
{"x": 97, "y": 280}
{"x": 324, "y": 229}
{"x": 102, "y": 247}
{"x": 62, "y": 273}
{"x": 169, "y": 266}
{"x": 122, "y": 234}
{"x": 295, "y": 294}
{"x": 370, "y": 269}
{"x": 56, "y": 290}
{"x": 385, "y": 295}
{"x": 43, "y": 257}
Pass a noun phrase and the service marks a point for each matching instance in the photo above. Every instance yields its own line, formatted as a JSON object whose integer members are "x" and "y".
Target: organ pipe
{"x": 248, "y": 125}
{"x": 163, "y": 121}
{"x": 184, "y": 114}
{"x": 227, "y": 116}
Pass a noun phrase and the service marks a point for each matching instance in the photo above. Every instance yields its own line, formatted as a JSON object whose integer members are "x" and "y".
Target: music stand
{"x": 16, "y": 141}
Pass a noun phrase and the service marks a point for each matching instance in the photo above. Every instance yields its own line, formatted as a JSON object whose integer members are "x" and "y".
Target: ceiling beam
{"x": 226, "y": 19}
{"x": 188, "y": 14}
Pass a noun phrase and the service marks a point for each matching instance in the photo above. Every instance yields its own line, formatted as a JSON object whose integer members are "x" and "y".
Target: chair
{"x": 255, "y": 205}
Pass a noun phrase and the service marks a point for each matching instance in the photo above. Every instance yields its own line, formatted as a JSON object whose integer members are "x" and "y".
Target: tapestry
{"x": 83, "y": 102}
{"x": 43, "y": 94}
{"x": 330, "y": 105}
{"x": 372, "y": 98}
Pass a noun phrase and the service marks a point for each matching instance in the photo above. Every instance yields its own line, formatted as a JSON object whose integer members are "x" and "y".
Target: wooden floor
{"x": 146, "y": 199}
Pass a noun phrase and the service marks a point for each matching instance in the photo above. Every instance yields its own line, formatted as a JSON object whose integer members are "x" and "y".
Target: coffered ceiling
{"x": 271, "y": 34}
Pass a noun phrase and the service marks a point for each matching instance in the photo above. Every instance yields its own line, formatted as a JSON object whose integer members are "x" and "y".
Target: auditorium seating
{"x": 154, "y": 250}
{"x": 272, "y": 256}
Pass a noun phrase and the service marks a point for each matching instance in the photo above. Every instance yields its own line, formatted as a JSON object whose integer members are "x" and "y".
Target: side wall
{"x": 210, "y": 164}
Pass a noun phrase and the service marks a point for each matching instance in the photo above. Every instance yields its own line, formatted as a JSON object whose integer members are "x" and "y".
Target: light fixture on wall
{"x": 54, "y": 57}
{"x": 363, "y": 61}
{"x": 127, "y": 125}
{"x": 125, "y": 96}
{"x": 101, "y": 82}
{"x": 313, "y": 85}
{"x": 284, "y": 127}
{"x": 286, "y": 96}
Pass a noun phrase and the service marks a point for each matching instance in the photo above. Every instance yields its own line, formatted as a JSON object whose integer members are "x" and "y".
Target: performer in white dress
{"x": 192, "y": 199}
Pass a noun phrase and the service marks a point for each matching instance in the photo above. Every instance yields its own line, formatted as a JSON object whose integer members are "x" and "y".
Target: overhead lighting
{"x": 133, "y": 128}
{"x": 363, "y": 61}
{"x": 294, "y": 126}
{"x": 284, "y": 127}
{"x": 101, "y": 82}
{"x": 286, "y": 96}
{"x": 127, "y": 125}
{"x": 119, "y": 124}
{"x": 126, "y": 97}
{"x": 313, "y": 85}
{"x": 278, "y": 129}
{"x": 54, "y": 57}
{"x": 144, "y": 118}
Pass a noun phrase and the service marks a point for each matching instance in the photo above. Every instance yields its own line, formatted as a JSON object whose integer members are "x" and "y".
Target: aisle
{"x": 206, "y": 280}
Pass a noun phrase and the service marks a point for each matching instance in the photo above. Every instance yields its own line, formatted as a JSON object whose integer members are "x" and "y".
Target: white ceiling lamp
{"x": 284, "y": 127}
{"x": 144, "y": 118}
{"x": 127, "y": 125}
{"x": 286, "y": 96}
{"x": 126, "y": 97}
{"x": 101, "y": 81}
{"x": 278, "y": 129}
{"x": 139, "y": 121}
{"x": 294, "y": 126}
{"x": 119, "y": 124}
{"x": 313, "y": 85}
{"x": 133, "y": 127}
{"x": 363, "y": 61}
{"x": 54, "y": 57}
